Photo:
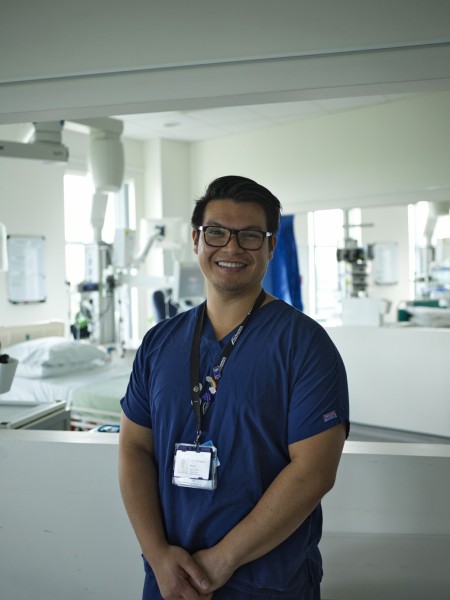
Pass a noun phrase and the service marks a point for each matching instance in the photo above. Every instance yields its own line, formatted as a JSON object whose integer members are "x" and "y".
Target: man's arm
{"x": 177, "y": 573}
{"x": 284, "y": 506}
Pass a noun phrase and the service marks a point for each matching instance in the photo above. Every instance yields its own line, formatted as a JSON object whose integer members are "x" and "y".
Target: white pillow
{"x": 44, "y": 371}
{"x": 51, "y": 356}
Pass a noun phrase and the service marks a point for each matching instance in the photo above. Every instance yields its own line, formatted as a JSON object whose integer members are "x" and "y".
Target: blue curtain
{"x": 283, "y": 275}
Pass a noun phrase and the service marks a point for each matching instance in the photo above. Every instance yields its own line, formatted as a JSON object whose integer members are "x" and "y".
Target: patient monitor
{"x": 189, "y": 284}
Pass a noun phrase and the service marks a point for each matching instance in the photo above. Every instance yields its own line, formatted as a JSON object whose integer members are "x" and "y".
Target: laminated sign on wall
{"x": 26, "y": 273}
{"x": 385, "y": 263}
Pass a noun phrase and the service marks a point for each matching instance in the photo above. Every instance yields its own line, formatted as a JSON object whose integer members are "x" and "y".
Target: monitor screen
{"x": 189, "y": 283}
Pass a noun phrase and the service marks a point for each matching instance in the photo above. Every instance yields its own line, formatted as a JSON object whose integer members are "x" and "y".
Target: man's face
{"x": 231, "y": 268}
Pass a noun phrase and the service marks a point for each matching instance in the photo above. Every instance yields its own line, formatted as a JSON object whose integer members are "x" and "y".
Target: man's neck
{"x": 227, "y": 310}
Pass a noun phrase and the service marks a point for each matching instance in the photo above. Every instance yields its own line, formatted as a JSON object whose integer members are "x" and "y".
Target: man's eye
{"x": 216, "y": 231}
{"x": 250, "y": 235}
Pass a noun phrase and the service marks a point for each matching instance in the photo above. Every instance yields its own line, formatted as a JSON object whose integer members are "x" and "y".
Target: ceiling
{"x": 181, "y": 56}
{"x": 196, "y": 125}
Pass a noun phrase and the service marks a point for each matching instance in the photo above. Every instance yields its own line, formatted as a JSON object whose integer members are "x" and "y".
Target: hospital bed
{"x": 52, "y": 368}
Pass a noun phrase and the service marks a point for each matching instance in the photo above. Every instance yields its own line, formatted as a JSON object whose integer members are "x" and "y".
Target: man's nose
{"x": 233, "y": 242}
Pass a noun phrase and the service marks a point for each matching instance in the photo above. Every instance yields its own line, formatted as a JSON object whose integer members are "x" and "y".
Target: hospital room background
{"x": 366, "y": 188}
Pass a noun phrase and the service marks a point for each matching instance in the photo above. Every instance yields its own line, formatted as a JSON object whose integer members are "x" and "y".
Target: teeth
{"x": 231, "y": 265}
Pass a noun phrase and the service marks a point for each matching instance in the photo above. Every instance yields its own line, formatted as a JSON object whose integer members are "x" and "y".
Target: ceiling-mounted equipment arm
{"x": 157, "y": 235}
{"x": 45, "y": 144}
{"x": 105, "y": 157}
{"x": 106, "y": 164}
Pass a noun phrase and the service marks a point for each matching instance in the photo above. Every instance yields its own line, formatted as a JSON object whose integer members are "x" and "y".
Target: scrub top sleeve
{"x": 136, "y": 402}
{"x": 319, "y": 396}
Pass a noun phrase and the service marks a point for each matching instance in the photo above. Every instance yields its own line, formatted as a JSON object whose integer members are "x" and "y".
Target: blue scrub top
{"x": 283, "y": 382}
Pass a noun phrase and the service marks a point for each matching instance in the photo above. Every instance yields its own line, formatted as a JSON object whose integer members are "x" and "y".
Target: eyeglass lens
{"x": 248, "y": 239}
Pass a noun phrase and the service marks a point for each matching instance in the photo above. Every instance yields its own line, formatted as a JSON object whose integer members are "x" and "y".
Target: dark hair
{"x": 239, "y": 189}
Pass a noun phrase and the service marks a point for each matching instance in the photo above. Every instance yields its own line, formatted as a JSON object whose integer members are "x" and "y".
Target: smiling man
{"x": 233, "y": 423}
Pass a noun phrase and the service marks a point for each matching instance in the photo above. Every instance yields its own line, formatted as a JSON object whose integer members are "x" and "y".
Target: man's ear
{"x": 273, "y": 242}
{"x": 195, "y": 236}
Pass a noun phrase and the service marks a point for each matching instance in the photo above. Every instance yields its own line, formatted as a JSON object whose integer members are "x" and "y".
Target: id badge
{"x": 195, "y": 466}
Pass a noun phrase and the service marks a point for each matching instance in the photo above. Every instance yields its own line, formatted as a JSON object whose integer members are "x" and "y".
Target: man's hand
{"x": 213, "y": 566}
{"x": 179, "y": 577}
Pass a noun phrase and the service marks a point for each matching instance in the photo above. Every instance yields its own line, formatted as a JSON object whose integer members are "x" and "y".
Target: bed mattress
{"x": 96, "y": 391}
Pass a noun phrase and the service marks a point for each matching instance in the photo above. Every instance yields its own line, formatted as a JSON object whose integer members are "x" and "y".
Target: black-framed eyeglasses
{"x": 247, "y": 239}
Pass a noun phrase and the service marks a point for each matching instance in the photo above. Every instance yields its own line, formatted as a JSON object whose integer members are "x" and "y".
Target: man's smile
{"x": 230, "y": 265}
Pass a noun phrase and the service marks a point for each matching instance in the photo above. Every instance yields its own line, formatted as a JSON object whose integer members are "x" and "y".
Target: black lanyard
{"x": 217, "y": 371}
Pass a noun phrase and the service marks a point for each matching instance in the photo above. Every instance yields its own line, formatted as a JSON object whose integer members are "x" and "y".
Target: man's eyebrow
{"x": 218, "y": 224}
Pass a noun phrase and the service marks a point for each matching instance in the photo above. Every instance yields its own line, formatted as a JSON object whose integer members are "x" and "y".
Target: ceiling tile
{"x": 215, "y": 122}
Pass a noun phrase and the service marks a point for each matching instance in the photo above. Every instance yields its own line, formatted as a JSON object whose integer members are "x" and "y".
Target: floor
{"x": 396, "y": 567}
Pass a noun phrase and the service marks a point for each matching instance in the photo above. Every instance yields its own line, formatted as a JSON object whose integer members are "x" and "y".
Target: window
{"x": 328, "y": 230}
{"x": 325, "y": 234}
{"x": 429, "y": 243}
{"x": 120, "y": 213}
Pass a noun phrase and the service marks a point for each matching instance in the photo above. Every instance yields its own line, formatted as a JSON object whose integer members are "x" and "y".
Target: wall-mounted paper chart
{"x": 26, "y": 272}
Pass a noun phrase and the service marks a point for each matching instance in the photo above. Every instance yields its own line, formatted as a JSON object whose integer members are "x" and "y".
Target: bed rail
{"x": 85, "y": 419}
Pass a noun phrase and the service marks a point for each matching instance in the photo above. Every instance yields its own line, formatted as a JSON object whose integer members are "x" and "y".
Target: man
{"x": 233, "y": 423}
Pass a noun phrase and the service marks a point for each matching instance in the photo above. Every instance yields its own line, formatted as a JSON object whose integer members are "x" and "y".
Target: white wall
{"x": 168, "y": 189}
{"x": 375, "y": 158}
{"x": 32, "y": 203}
{"x": 389, "y": 224}
{"x": 380, "y": 155}
{"x": 398, "y": 377}
{"x": 167, "y": 195}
